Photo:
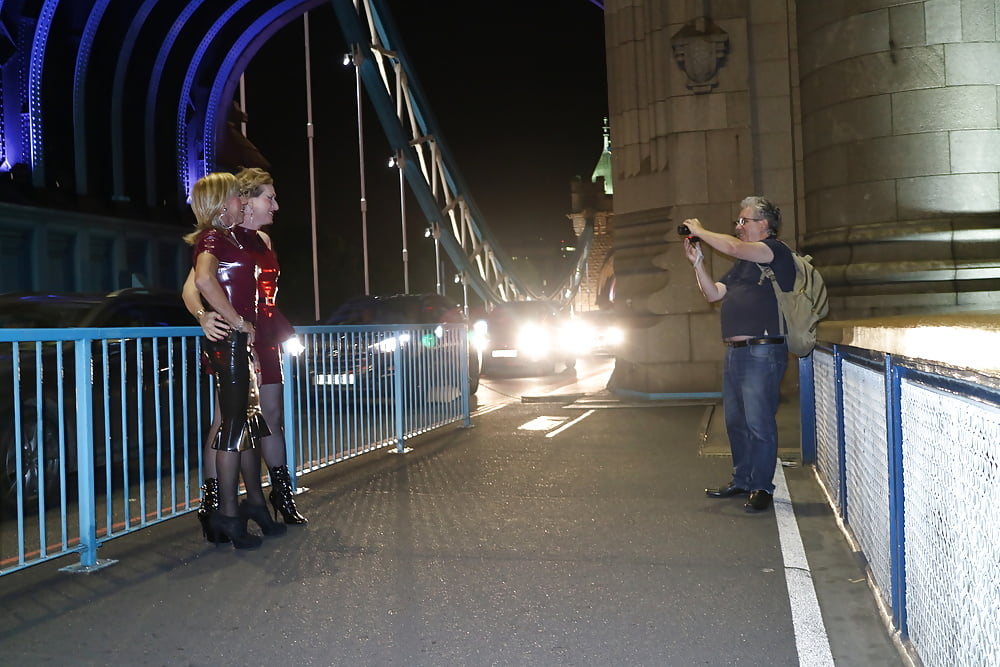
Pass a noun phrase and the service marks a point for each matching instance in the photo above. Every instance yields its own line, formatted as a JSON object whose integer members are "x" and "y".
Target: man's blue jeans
{"x": 751, "y": 386}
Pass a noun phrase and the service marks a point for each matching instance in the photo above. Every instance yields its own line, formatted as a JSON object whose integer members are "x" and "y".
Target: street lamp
{"x": 399, "y": 161}
{"x": 356, "y": 57}
{"x": 460, "y": 278}
{"x": 434, "y": 230}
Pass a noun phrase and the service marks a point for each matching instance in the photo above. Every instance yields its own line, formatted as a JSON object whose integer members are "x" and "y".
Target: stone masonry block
{"x": 979, "y": 20}
{"x": 774, "y": 114}
{"x": 943, "y": 20}
{"x": 849, "y": 121}
{"x": 952, "y": 108}
{"x": 665, "y": 340}
{"x": 855, "y": 204}
{"x": 874, "y": 74}
{"x": 958, "y": 193}
{"x": 730, "y": 162}
{"x": 850, "y": 37}
{"x": 691, "y": 168}
{"x": 906, "y": 25}
{"x": 774, "y": 149}
{"x": 706, "y": 336}
{"x": 769, "y": 11}
{"x": 826, "y": 168}
{"x": 972, "y": 63}
{"x": 975, "y": 151}
{"x": 771, "y": 77}
{"x": 769, "y": 41}
{"x": 902, "y": 156}
{"x": 699, "y": 112}
{"x": 738, "y": 109}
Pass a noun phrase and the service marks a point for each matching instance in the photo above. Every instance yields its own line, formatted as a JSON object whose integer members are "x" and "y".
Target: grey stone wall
{"x": 685, "y": 149}
{"x": 902, "y": 153}
{"x": 873, "y": 125}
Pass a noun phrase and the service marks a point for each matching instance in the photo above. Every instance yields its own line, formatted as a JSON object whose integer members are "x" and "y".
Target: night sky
{"x": 519, "y": 91}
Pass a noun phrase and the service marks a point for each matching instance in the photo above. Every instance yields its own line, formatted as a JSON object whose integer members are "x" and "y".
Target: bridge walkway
{"x": 529, "y": 539}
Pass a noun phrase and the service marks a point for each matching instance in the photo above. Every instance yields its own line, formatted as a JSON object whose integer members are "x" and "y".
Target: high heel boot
{"x": 281, "y": 496}
{"x": 262, "y": 517}
{"x": 235, "y": 529}
{"x": 209, "y": 505}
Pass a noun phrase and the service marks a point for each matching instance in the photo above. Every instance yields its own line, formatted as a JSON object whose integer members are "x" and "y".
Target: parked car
{"x": 532, "y": 336}
{"x": 367, "y": 361}
{"x": 136, "y": 375}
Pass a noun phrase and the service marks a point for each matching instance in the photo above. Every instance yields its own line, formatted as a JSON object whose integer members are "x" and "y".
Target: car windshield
{"x": 41, "y": 313}
{"x": 522, "y": 310}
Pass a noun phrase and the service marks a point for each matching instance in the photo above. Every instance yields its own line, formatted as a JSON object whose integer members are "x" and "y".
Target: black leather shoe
{"x": 727, "y": 491}
{"x": 759, "y": 501}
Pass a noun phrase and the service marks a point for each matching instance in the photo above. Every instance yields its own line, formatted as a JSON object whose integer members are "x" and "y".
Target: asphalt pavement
{"x": 552, "y": 532}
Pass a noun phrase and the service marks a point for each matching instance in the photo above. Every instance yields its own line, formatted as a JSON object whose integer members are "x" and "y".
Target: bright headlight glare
{"x": 533, "y": 340}
{"x": 293, "y": 346}
{"x": 390, "y": 344}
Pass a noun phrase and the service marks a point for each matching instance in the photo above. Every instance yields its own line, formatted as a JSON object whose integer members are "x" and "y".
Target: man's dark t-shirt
{"x": 749, "y": 307}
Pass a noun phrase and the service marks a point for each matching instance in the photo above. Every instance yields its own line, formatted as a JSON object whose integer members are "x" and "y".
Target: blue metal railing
{"x": 909, "y": 457}
{"x": 102, "y": 430}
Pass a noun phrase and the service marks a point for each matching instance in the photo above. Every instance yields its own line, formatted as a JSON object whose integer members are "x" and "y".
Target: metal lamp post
{"x": 399, "y": 161}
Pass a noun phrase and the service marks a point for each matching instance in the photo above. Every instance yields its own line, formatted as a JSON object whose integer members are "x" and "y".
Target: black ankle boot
{"x": 209, "y": 505}
{"x": 235, "y": 529}
{"x": 281, "y": 496}
{"x": 262, "y": 517}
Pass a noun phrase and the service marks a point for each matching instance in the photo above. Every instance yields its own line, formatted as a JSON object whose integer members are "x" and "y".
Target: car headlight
{"x": 390, "y": 344}
{"x": 293, "y": 346}
{"x": 478, "y": 335}
{"x": 533, "y": 341}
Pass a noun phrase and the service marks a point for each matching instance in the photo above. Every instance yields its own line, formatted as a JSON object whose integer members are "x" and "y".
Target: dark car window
{"x": 31, "y": 313}
{"x": 147, "y": 315}
{"x": 60, "y": 311}
{"x": 398, "y": 309}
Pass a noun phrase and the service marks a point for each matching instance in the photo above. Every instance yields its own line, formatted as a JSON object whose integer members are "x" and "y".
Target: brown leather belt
{"x": 754, "y": 341}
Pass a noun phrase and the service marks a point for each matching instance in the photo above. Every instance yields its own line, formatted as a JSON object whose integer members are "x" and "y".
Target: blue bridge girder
{"x": 149, "y": 84}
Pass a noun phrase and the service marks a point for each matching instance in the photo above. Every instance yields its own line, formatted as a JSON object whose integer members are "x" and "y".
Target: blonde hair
{"x": 208, "y": 199}
{"x": 251, "y": 179}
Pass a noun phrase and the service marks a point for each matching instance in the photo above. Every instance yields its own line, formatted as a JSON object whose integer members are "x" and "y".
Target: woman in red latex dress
{"x": 225, "y": 276}
{"x": 273, "y": 329}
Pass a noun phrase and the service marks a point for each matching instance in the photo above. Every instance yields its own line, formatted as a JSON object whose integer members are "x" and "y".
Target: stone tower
{"x": 591, "y": 203}
{"x": 874, "y": 126}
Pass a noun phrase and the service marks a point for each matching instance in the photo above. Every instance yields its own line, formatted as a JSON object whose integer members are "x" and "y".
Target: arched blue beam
{"x": 152, "y": 91}
{"x": 356, "y": 33}
{"x": 388, "y": 33}
{"x": 80, "y": 94}
{"x": 118, "y": 98}
{"x": 235, "y": 63}
{"x": 189, "y": 165}
{"x": 11, "y": 81}
{"x": 36, "y": 130}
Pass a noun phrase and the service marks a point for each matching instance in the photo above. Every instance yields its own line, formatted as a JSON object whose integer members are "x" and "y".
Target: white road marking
{"x": 811, "y": 639}
{"x": 542, "y": 423}
{"x": 552, "y": 434}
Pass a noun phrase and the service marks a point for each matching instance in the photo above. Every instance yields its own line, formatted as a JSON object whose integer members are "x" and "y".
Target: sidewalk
{"x": 511, "y": 543}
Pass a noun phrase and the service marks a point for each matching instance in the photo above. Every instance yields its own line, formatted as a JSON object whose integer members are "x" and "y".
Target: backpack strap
{"x": 767, "y": 273}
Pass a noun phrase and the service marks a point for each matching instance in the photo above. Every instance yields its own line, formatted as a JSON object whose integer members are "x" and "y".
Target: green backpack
{"x": 801, "y": 308}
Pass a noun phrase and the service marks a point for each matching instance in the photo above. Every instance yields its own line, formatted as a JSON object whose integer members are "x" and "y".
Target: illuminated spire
{"x": 603, "y": 167}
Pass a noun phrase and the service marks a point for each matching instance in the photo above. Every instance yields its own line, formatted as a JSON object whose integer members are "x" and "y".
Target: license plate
{"x": 505, "y": 353}
{"x": 335, "y": 379}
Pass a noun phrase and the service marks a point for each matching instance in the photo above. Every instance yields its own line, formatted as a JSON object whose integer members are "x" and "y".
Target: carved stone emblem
{"x": 699, "y": 48}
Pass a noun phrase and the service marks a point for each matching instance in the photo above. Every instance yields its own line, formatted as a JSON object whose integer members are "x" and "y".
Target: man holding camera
{"x": 756, "y": 354}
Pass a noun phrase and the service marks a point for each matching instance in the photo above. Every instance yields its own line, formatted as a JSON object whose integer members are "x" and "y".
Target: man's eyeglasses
{"x": 743, "y": 221}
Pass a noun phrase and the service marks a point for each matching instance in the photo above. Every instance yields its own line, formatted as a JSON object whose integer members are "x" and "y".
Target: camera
{"x": 684, "y": 230}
